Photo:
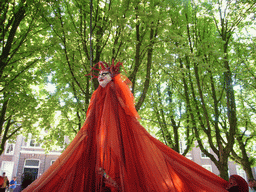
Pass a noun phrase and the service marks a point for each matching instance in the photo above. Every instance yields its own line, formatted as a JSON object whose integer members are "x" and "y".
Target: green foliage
{"x": 23, "y": 49}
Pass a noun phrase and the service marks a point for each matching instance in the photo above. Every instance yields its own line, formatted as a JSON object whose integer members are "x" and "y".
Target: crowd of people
{"x": 6, "y": 185}
{"x": 11, "y": 186}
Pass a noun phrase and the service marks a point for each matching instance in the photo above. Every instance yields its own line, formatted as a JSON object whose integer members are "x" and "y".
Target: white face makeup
{"x": 104, "y": 78}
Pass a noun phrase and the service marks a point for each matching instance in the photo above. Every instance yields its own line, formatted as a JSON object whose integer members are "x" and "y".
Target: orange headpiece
{"x": 113, "y": 69}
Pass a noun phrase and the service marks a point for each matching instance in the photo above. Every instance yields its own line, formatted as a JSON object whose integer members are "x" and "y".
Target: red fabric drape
{"x": 113, "y": 139}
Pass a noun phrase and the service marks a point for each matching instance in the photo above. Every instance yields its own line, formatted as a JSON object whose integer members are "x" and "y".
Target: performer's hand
{"x": 101, "y": 171}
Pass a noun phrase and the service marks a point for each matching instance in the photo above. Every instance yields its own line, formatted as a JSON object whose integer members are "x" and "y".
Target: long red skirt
{"x": 113, "y": 140}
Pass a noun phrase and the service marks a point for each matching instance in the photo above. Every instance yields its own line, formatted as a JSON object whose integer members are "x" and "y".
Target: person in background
{"x": 12, "y": 184}
{"x": 5, "y": 184}
{"x": 1, "y": 181}
{"x": 252, "y": 185}
{"x": 237, "y": 184}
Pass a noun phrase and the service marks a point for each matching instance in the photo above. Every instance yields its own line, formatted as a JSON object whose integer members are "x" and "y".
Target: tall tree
{"x": 211, "y": 80}
{"x": 20, "y": 55}
{"x": 243, "y": 153}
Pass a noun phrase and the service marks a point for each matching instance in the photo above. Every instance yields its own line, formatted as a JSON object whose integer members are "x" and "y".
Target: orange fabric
{"x": 112, "y": 139}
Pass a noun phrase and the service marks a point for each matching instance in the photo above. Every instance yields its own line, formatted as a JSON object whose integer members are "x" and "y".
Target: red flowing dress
{"x": 112, "y": 139}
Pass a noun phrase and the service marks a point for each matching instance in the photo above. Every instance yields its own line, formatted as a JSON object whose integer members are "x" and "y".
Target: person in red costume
{"x": 113, "y": 152}
{"x": 237, "y": 184}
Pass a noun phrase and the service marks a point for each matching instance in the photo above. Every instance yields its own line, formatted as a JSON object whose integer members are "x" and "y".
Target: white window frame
{"x": 208, "y": 167}
{"x": 6, "y": 148}
{"x": 29, "y": 139}
{"x": 52, "y": 161}
{"x": 29, "y": 143}
{"x": 207, "y": 147}
{"x": 29, "y": 166}
{"x": 183, "y": 146}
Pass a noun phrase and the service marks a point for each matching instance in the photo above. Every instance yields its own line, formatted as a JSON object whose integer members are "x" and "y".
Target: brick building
{"x": 26, "y": 156}
{"x": 29, "y": 156}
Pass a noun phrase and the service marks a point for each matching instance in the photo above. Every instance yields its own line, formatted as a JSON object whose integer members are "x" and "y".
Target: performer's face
{"x": 104, "y": 78}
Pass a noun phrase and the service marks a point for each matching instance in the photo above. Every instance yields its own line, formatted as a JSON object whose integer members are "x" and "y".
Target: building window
{"x": 33, "y": 143}
{"x": 9, "y": 148}
{"x": 240, "y": 171}
{"x": 207, "y": 147}
{"x": 29, "y": 142}
{"x": 183, "y": 146}
{"x": 33, "y": 163}
{"x": 32, "y": 166}
{"x": 203, "y": 155}
{"x": 208, "y": 167}
{"x": 52, "y": 161}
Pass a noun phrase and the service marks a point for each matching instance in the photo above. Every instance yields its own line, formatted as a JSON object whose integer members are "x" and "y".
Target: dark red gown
{"x": 112, "y": 139}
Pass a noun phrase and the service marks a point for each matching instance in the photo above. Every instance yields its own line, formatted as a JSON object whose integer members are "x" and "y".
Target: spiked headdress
{"x": 113, "y": 69}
